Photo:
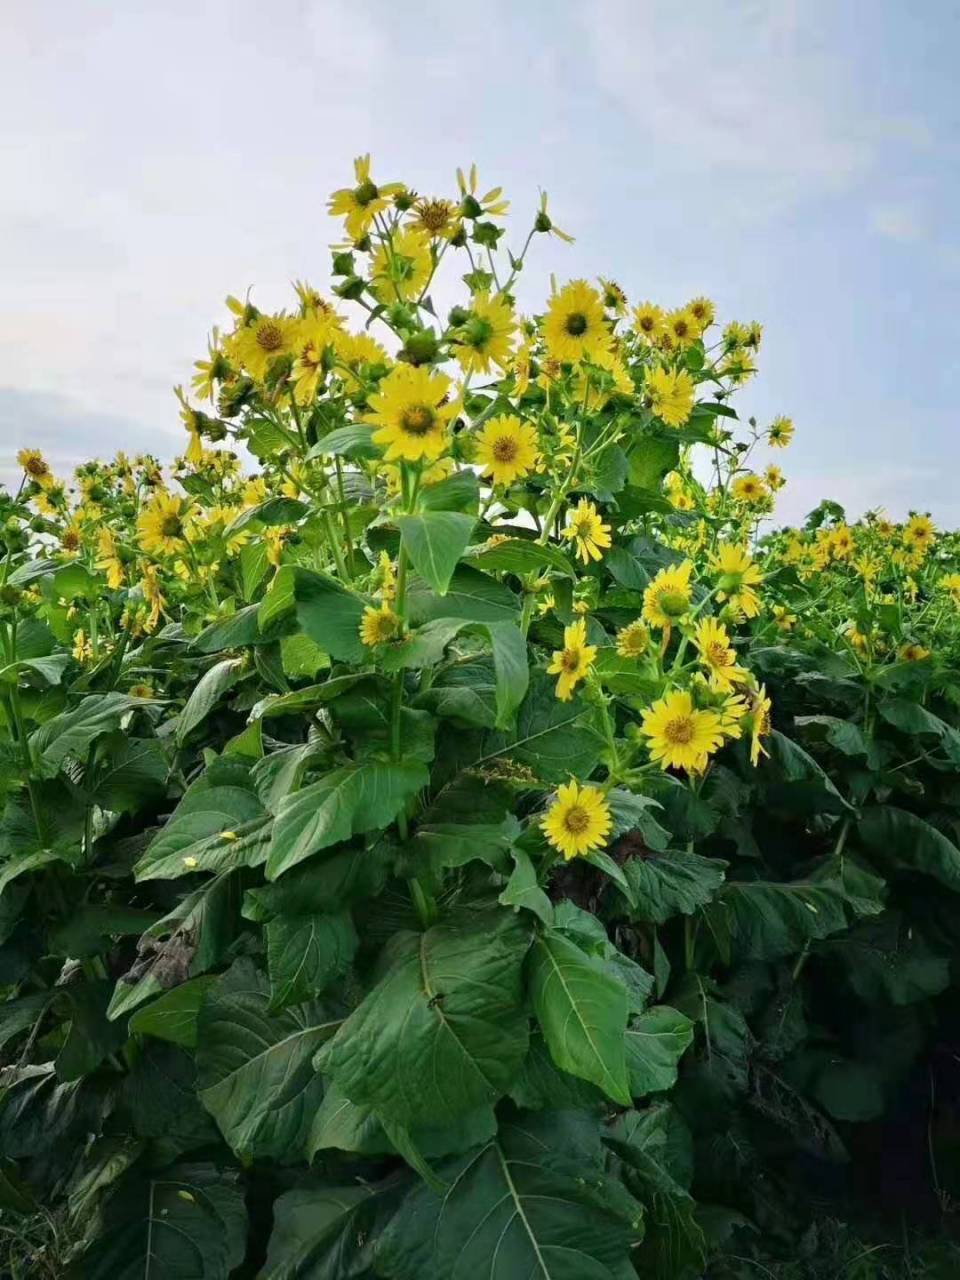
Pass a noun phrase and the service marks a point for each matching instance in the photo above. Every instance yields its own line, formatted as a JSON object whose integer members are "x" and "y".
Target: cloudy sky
{"x": 795, "y": 159}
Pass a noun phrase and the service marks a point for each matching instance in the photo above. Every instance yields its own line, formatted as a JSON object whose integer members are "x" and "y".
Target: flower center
{"x": 269, "y": 336}
{"x": 417, "y": 419}
{"x": 679, "y": 732}
{"x": 435, "y": 214}
{"x": 570, "y": 659}
{"x": 170, "y": 526}
{"x": 673, "y": 603}
{"x": 717, "y": 655}
{"x": 70, "y": 540}
{"x": 577, "y": 820}
{"x": 505, "y": 449}
{"x": 576, "y": 324}
{"x": 646, "y": 323}
{"x": 477, "y": 332}
{"x": 365, "y": 193}
{"x": 584, "y": 528}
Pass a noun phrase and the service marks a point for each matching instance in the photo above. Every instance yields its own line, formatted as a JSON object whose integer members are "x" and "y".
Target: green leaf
{"x": 329, "y": 614}
{"x": 444, "y": 1030}
{"x": 75, "y": 581}
{"x": 521, "y": 556}
{"x": 256, "y": 1076}
{"x": 91, "y": 928}
{"x": 214, "y": 829}
{"x": 656, "y": 1041}
{"x": 239, "y": 629}
{"x": 649, "y": 459}
{"x": 324, "y": 1233}
{"x": 471, "y": 595}
{"x": 464, "y": 692}
{"x": 794, "y": 780}
{"x": 207, "y": 693}
{"x": 523, "y": 889}
{"x": 551, "y": 737}
{"x": 135, "y": 777}
{"x": 274, "y": 511}
{"x": 175, "y": 1014}
{"x": 187, "y": 1221}
{"x": 510, "y": 665}
{"x": 842, "y": 734}
{"x": 766, "y": 919}
{"x": 459, "y": 492}
{"x": 352, "y": 441}
{"x": 254, "y": 567}
{"x": 306, "y": 952}
{"x": 72, "y": 732}
{"x": 347, "y": 802}
{"x": 911, "y": 842}
{"x": 49, "y": 668}
{"x": 527, "y": 1205}
{"x": 435, "y": 541}
{"x": 672, "y": 883}
{"x": 582, "y": 1011}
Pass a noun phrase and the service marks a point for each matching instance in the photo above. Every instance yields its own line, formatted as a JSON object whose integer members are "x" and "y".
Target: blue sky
{"x": 797, "y": 161}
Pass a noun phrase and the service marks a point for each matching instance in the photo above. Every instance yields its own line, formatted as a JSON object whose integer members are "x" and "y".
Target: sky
{"x": 796, "y": 160}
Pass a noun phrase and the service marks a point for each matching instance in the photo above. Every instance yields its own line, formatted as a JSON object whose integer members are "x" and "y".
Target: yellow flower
{"x": 410, "y": 413}
{"x": 578, "y": 820}
{"x": 574, "y": 325}
{"x": 52, "y": 499}
{"x": 474, "y": 206}
{"x": 82, "y": 648}
{"x": 671, "y": 395}
{"x": 545, "y": 224}
{"x": 311, "y": 338}
{"x": 256, "y": 345}
{"x": 572, "y": 662}
{"x": 648, "y": 320}
{"x": 216, "y": 368}
{"x": 141, "y": 691}
{"x": 780, "y": 432}
{"x": 401, "y": 267}
{"x": 436, "y": 218}
{"x": 732, "y": 712}
{"x": 387, "y": 577}
{"x": 359, "y": 205}
{"x": 738, "y": 577}
{"x": 632, "y": 640}
{"x": 275, "y": 538}
{"x": 160, "y": 526}
{"x": 35, "y": 466}
{"x": 683, "y": 327}
{"x": 760, "y": 723}
{"x": 614, "y": 299}
{"x": 377, "y": 626}
{"x": 107, "y": 558}
{"x": 667, "y": 597}
{"x": 354, "y": 350}
{"x": 71, "y": 539}
{"x": 506, "y": 449}
{"x": 254, "y": 491}
{"x": 590, "y": 535}
{"x": 774, "y": 477}
{"x": 913, "y": 653}
{"x": 784, "y": 619}
{"x": 487, "y": 336}
{"x": 841, "y": 543}
{"x": 918, "y": 533}
{"x": 717, "y": 655}
{"x": 150, "y": 587}
{"x": 951, "y": 583}
{"x": 703, "y": 311}
{"x": 855, "y": 637}
{"x": 681, "y": 737}
{"x": 749, "y": 489}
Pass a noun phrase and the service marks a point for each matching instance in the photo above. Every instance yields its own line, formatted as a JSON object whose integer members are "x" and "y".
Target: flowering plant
{"x": 472, "y": 841}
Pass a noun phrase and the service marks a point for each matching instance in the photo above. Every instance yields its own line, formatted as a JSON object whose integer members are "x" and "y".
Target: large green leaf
{"x": 211, "y": 687}
{"x": 551, "y": 737}
{"x": 766, "y": 919}
{"x": 256, "y": 1076}
{"x": 134, "y": 777}
{"x": 306, "y": 952}
{"x": 175, "y": 1014}
{"x": 535, "y": 1204}
{"x": 911, "y": 842}
{"x": 329, "y": 614}
{"x": 656, "y": 1041}
{"x": 187, "y": 1222}
{"x": 582, "y": 1010}
{"x": 444, "y": 1029}
{"x": 72, "y": 732}
{"x": 324, "y": 1233}
{"x": 672, "y": 883}
{"x": 520, "y": 556}
{"x": 471, "y": 595}
{"x": 435, "y": 541}
{"x": 348, "y": 801}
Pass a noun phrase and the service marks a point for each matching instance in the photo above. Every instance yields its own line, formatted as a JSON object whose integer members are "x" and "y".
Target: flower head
{"x": 671, "y": 395}
{"x": 377, "y": 626}
{"x": 255, "y": 346}
{"x": 633, "y": 640}
{"x": 411, "y": 413}
{"x": 161, "y": 526}
{"x": 574, "y": 326}
{"x": 717, "y": 656}
{"x": 667, "y": 597}
{"x": 648, "y": 320}
{"x": 738, "y": 578}
{"x": 680, "y": 736}
{"x": 487, "y": 335}
{"x": 578, "y": 820}
{"x": 918, "y": 534}
{"x": 780, "y": 432}
{"x": 359, "y": 205}
{"x": 588, "y": 532}
{"x": 506, "y": 449}
{"x": 573, "y": 661}
{"x": 401, "y": 269}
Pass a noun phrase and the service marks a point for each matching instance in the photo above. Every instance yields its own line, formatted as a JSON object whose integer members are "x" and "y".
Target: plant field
{"x": 449, "y": 830}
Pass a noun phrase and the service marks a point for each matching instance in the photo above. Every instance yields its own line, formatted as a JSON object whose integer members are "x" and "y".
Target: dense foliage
{"x": 472, "y": 843}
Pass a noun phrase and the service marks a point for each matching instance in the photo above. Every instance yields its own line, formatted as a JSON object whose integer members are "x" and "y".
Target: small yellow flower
{"x": 738, "y": 578}
{"x": 648, "y": 320}
{"x": 950, "y": 583}
{"x": 82, "y": 648}
{"x": 784, "y": 619}
{"x": 667, "y": 598}
{"x": 377, "y": 626}
{"x": 161, "y": 525}
{"x": 141, "y": 691}
{"x": 681, "y": 737}
{"x": 436, "y": 218}
{"x": 578, "y": 820}
{"x": 108, "y": 559}
{"x": 760, "y": 726}
{"x": 703, "y": 311}
{"x": 633, "y": 640}
{"x": 359, "y": 205}
{"x": 774, "y": 477}
{"x": 313, "y": 335}
{"x": 683, "y": 327}
{"x": 588, "y": 532}
{"x": 401, "y": 269}
{"x": 486, "y": 337}
{"x": 388, "y": 578}
{"x": 190, "y": 862}
{"x": 717, "y": 655}
{"x": 671, "y": 395}
{"x": 780, "y": 432}
{"x": 35, "y": 466}
{"x": 258, "y": 344}
{"x": 573, "y": 661}
{"x": 411, "y": 412}
{"x": 748, "y": 489}
{"x": 918, "y": 534}
{"x": 841, "y": 543}
{"x": 574, "y": 326}
{"x": 506, "y": 449}
{"x": 913, "y": 653}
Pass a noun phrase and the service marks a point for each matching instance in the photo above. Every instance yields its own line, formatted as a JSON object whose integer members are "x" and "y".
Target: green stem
{"x": 346, "y": 520}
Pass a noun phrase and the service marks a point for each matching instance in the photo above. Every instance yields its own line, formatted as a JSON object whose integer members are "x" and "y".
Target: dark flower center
{"x": 577, "y": 820}
{"x": 576, "y": 324}
{"x": 417, "y": 419}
